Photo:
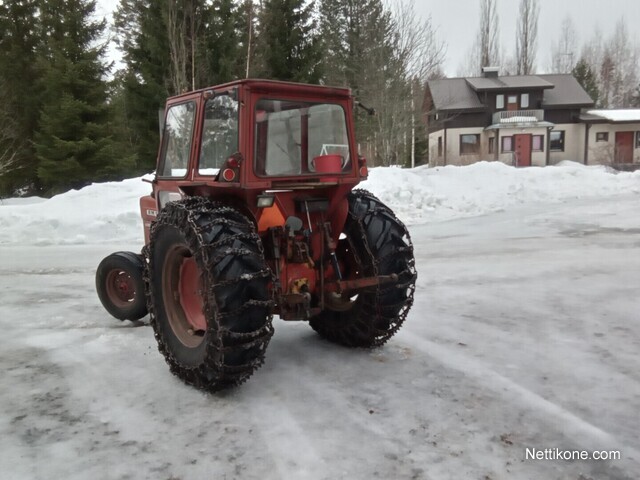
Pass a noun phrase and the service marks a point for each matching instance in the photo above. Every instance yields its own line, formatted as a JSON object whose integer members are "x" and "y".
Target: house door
{"x": 512, "y": 102}
{"x": 523, "y": 150}
{"x": 624, "y": 147}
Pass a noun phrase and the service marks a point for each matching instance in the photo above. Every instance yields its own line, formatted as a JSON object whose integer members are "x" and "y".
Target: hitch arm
{"x": 341, "y": 286}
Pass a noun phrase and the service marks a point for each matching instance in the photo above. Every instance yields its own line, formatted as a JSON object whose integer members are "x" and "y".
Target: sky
{"x": 457, "y": 23}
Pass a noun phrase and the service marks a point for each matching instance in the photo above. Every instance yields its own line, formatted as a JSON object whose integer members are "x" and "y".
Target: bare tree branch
{"x": 10, "y": 143}
{"x": 488, "y": 41}
{"x": 527, "y": 37}
{"x": 564, "y": 53}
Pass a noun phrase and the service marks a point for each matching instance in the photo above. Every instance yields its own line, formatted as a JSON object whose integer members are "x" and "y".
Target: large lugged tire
{"x": 120, "y": 285}
{"x": 376, "y": 243}
{"x": 208, "y": 293}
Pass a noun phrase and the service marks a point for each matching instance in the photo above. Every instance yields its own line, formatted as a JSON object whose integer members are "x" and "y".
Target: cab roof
{"x": 275, "y": 87}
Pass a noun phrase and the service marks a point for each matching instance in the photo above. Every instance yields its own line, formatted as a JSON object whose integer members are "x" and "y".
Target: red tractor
{"x": 253, "y": 212}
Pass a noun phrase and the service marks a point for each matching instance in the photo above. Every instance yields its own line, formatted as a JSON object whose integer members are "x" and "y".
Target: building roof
{"x": 567, "y": 92}
{"x": 515, "y": 82}
{"x": 455, "y": 94}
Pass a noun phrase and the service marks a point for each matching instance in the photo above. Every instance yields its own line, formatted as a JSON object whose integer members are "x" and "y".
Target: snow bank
{"x": 109, "y": 212}
{"x": 425, "y": 194}
{"x": 99, "y": 213}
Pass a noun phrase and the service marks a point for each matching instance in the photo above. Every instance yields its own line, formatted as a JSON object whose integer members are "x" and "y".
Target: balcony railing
{"x": 518, "y": 116}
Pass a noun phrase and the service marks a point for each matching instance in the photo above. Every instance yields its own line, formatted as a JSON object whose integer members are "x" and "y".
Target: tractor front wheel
{"x": 376, "y": 243}
{"x": 208, "y": 293}
{"x": 120, "y": 285}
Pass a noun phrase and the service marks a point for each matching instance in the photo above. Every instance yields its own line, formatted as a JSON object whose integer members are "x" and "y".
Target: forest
{"x": 70, "y": 116}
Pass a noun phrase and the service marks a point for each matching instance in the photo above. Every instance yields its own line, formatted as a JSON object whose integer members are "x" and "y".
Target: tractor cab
{"x": 254, "y": 142}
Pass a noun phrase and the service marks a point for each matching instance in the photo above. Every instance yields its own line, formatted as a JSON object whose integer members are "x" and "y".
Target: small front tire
{"x": 120, "y": 285}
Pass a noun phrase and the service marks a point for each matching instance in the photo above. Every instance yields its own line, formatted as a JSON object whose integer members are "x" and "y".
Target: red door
{"x": 523, "y": 150}
{"x": 624, "y": 147}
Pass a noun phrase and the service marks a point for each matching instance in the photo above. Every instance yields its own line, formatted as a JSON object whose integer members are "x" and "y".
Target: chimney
{"x": 490, "y": 72}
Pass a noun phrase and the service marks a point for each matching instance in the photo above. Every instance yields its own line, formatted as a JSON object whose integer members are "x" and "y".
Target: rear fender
{"x": 149, "y": 212}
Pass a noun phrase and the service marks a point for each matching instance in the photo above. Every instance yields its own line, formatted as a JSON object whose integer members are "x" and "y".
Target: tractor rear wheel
{"x": 208, "y": 290}
{"x": 120, "y": 285}
{"x": 376, "y": 243}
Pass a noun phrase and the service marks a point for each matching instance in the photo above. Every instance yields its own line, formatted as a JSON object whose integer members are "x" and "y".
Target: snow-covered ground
{"x": 525, "y": 334}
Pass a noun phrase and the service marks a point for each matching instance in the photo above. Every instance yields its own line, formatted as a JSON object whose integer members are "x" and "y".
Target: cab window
{"x": 219, "y": 135}
{"x": 291, "y": 134}
{"x": 176, "y": 140}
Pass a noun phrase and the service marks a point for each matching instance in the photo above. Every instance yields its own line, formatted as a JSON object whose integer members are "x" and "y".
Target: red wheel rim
{"x": 182, "y": 293}
{"x": 121, "y": 288}
{"x": 190, "y": 288}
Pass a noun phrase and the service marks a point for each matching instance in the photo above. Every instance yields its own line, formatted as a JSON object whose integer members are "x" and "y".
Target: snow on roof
{"x": 626, "y": 115}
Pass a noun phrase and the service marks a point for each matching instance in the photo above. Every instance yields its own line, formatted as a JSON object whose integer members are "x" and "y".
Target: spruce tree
{"x": 587, "y": 79}
{"x": 144, "y": 84}
{"x": 225, "y": 38}
{"x": 74, "y": 143}
{"x": 358, "y": 40}
{"x": 19, "y": 93}
{"x": 288, "y": 43}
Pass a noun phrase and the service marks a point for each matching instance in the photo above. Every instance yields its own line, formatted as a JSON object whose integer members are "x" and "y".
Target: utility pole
{"x": 193, "y": 47}
{"x": 250, "y": 15}
{"x": 413, "y": 129}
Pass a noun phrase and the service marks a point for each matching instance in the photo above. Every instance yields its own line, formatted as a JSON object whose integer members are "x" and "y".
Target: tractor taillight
{"x": 231, "y": 169}
{"x": 228, "y": 174}
{"x": 233, "y": 162}
{"x": 362, "y": 163}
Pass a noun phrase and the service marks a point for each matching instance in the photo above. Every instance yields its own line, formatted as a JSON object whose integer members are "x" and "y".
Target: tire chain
{"x": 406, "y": 278}
{"x": 214, "y": 374}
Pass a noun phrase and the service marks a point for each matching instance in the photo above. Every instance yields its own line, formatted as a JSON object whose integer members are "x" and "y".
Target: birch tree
{"x": 564, "y": 52}
{"x": 624, "y": 58}
{"x": 10, "y": 143}
{"x": 527, "y": 36}
{"x": 485, "y": 50}
{"x": 488, "y": 34}
{"x": 184, "y": 32}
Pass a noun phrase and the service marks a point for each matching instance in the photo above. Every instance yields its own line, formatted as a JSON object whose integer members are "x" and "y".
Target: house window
{"x": 556, "y": 141}
{"x": 469, "y": 144}
{"x": 439, "y": 146}
{"x": 507, "y": 144}
{"x": 602, "y": 136}
{"x": 499, "y": 102}
{"x": 524, "y": 100}
{"x": 492, "y": 144}
{"x": 637, "y": 139}
{"x": 537, "y": 143}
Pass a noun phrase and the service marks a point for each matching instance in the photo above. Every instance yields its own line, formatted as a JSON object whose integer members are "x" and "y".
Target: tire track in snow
{"x": 291, "y": 449}
{"x": 333, "y": 449}
{"x": 391, "y": 451}
{"x": 572, "y": 426}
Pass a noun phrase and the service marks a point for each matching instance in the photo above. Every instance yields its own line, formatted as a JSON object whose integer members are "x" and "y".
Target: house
{"x": 612, "y": 137}
{"x": 523, "y": 120}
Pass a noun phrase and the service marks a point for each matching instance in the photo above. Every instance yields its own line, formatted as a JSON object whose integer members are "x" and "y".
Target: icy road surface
{"x": 525, "y": 334}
